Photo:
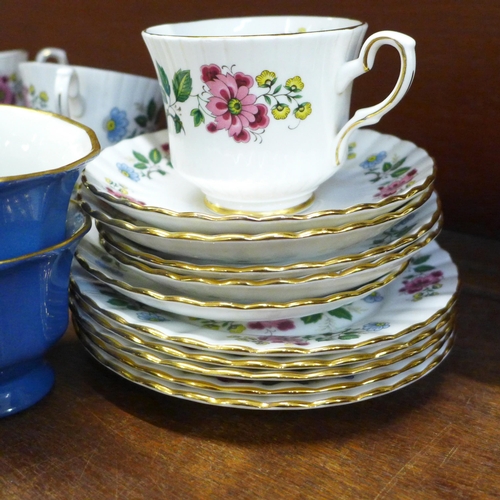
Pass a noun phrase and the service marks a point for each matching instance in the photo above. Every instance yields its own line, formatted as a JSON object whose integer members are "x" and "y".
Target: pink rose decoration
{"x": 209, "y": 72}
{"x": 420, "y": 282}
{"x": 121, "y": 195}
{"x": 6, "y": 94}
{"x": 394, "y": 187}
{"x": 281, "y": 324}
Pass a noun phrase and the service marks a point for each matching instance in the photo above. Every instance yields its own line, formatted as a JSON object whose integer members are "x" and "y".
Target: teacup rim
{"x": 358, "y": 24}
{"x": 79, "y": 233}
{"x": 11, "y": 52}
{"x": 95, "y": 146}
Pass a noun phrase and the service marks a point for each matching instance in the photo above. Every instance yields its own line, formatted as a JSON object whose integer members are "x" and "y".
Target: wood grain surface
{"x": 451, "y": 109}
{"x": 97, "y": 436}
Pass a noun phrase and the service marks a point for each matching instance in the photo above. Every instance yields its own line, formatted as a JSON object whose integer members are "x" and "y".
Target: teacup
{"x": 34, "y": 315}
{"x": 115, "y": 105}
{"x": 258, "y": 107}
{"x": 42, "y": 157}
{"x": 11, "y": 87}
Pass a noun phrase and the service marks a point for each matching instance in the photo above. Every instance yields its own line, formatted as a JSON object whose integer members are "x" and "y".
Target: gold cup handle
{"x": 405, "y": 45}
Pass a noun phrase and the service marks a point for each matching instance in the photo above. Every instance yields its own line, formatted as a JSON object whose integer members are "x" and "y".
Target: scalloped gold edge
{"x": 283, "y": 404}
{"x": 252, "y": 390}
{"x": 253, "y": 306}
{"x": 311, "y": 278}
{"x": 134, "y": 227}
{"x": 212, "y": 357}
{"x": 235, "y": 349}
{"x": 373, "y": 252}
{"x": 374, "y": 361}
{"x": 275, "y": 218}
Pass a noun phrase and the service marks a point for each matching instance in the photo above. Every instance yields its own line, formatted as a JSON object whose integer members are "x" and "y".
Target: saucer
{"x": 381, "y": 174}
{"x": 250, "y": 249}
{"x": 383, "y": 385}
{"x": 413, "y": 231}
{"x": 126, "y": 348}
{"x": 425, "y": 292}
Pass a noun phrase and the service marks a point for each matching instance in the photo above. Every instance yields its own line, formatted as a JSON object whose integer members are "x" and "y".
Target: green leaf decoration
{"x": 162, "y": 172}
{"x": 387, "y": 166}
{"x": 118, "y": 302}
{"x": 141, "y": 120}
{"x": 341, "y": 313}
{"x": 289, "y": 98}
{"x": 140, "y": 157}
{"x": 298, "y": 97}
{"x": 151, "y": 109}
{"x": 277, "y": 89}
{"x": 423, "y": 269}
{"x": 183, "y": 84}
{"x": 273, "y": 81}
{"x": 198, "y": 117}
{"x": 400, "y": 171}
{"x": 164, "y": 79}
{"x": 268, "y": 99}
{"x": 177, "y": 123}
{"x": 399, "y": 163}
{"x": 140, "y": 166}
{"x": 313, "y": 318}
{"x": 349, "y": 336}
{"x": 420, "y": 260}
{"x": 155, "y": 156}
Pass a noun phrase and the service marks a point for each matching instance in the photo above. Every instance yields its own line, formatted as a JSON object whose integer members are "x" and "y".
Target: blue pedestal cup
{"x": 34, "y": 315}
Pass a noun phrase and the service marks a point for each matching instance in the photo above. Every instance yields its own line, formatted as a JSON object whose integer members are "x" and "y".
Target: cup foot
{"x": 24, "y": 387}
{"x": 259, "y": 209}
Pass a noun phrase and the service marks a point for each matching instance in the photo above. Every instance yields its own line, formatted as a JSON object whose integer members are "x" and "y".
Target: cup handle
{"x": 49, "y": 53}
{"x": 67, "y": 91}
{"x": 405, "y": 45}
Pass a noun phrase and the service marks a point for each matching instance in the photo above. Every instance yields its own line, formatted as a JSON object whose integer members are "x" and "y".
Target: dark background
{"x": 450, "y": 110}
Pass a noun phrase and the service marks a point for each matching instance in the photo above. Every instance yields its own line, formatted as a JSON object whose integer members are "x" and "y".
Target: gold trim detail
{"x": 161, "y": 233}
{"x": 285, "y": 211}
{"x": 283, "y": 404}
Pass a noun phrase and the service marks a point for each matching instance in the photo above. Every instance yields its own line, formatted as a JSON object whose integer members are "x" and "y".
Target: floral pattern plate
{"x": 136, "y": 176}
{"x": 126, "y": 349}
{"x": 423, "y": 293}
{"x": 384, "y": 384}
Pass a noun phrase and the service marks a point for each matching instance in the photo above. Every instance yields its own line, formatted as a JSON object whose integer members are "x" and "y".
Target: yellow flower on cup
{"x": 44, "y": 96}
{"x": 266, "y": 79}
{"x": 294, "y": 84}
{"x": 280, "y": 111}
{"x": 303, "y": 111}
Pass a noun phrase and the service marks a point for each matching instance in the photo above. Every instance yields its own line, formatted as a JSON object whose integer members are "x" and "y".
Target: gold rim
{"x": 374, "y": 252}
{"x": 86, "y": 225}
{"x": 284, "y": 404}
{"x": 329, "y": 299}
{"x": 374, "y": 361}
{"x": 253, "y": 390}
{"x": 297, "y": 217}
{"x": 124, "y": 259}
{"x": 238, "y": 349}
{"x": 94, "y": 143}
{"x": 288, "y": 235}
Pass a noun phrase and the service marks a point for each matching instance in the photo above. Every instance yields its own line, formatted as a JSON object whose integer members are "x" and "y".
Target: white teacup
{"x": 11, "y": 87}
{"x": 115, "y": 105}
{"x": 258, "y": 108}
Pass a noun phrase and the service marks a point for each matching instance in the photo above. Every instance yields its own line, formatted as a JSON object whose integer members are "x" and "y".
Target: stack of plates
{"x": 348, "y": 300}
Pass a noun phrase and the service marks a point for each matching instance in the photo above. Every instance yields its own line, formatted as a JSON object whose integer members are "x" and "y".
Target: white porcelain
{"x": 242, "y": 291}
{"x": 423, "y": 293}
{"x": 410, "y": 233}
{"x": 383, "y": 385}
{"x": 136, "y": 177}
{"x": 279, "y": 248}
{"x": 128, "y": 348}
{"x": 115, "y": 105}
{"x": 258, "y": 108}
{"x": 11, "y": 85}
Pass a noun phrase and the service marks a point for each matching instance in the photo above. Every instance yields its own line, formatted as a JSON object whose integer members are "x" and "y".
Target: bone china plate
{"x": 136, "y": 176}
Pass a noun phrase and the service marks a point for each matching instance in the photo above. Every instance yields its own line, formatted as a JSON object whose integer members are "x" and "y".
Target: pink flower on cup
{"x": 394, "y": 187}
{"x": 7, "y": 96}
{"x": 419, "y": 283}
{"x": 232, "y": 105}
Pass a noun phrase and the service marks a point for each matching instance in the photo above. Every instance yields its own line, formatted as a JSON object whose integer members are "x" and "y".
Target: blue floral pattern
{"x": 116, "y": 125}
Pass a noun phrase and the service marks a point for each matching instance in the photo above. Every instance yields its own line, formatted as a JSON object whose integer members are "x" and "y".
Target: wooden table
{"x": 98, "y": 436}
